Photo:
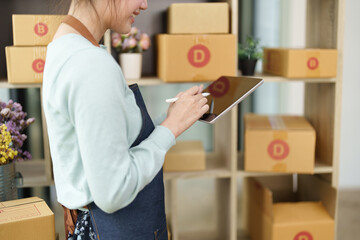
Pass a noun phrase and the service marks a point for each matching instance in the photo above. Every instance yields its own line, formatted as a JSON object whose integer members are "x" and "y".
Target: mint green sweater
{"x": 92, "y": 120}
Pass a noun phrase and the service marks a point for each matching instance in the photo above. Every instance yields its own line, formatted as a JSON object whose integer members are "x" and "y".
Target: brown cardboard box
{"x": 28, "y": 218}
{"x": 279, "y": 144}
{"x": 34, "y": 30}
{"x": 25, "y": 64}
{"x": 185, "y": 156}
{"x": 196, "y": 57}
{"x": 300, "y": 63}
{"x": 276, "y": 212}
{"x": 198, "y": 18}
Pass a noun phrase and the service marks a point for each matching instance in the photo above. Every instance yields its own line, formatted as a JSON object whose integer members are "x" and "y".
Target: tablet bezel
{"x": 261, "y": 81}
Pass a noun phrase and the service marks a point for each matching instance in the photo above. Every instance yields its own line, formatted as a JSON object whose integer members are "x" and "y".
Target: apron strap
{"x": 70, "y": 217}
{"x": 78, "y": 26}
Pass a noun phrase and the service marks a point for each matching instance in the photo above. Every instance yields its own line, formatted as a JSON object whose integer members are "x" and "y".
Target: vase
{"x": 8, "y": 190}
{"x": 131, "y": 65}
{"x": 247, "y": 66}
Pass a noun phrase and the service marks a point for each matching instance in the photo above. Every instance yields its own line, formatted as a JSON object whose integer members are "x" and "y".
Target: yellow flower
{"x": 6, "y": 153}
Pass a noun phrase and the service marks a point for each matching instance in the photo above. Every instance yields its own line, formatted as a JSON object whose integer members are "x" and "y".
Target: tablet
{"x": 227, "y": 92}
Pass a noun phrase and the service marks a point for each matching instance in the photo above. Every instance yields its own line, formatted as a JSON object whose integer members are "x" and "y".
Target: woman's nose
{"x": 144, "y": 5}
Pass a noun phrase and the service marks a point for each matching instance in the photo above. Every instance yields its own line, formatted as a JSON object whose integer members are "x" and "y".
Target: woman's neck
{"x": 86, "y": 14}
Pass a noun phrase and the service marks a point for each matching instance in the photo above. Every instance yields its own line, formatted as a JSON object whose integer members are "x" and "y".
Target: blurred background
{"x": 276, "y": 23}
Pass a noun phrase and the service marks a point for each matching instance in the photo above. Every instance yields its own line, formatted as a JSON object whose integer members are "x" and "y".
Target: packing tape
{"x": 279, "y": 167}
{"x": 279, "y": 126}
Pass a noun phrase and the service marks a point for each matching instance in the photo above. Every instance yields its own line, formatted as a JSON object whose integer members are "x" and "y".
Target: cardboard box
{"x": 276, "y": 212}
{"x": 25, "y": 64}
{"x": 196, "y": 57}
{"x": 34, "y": 30}
{"x": 185, "y": 156}
{"x": 279, "y": 144}
{"x": 198, "y": 18}
{"x": 28, "y": 218}
{"x": 300, "y": 63}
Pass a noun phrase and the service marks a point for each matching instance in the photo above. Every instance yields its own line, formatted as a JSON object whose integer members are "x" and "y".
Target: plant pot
{"x": 131, "y": 65}
{"x": 8, "y": 190}
{"x": 247, "y": 66}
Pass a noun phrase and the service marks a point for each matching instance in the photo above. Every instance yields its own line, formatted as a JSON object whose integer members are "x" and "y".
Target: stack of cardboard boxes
{"x": 198, "y": 46}
{"x": 31, "y": 34}
{"x": 279, "y": 208}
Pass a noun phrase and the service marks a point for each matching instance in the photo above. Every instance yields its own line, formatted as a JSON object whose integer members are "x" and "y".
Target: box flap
{"x": 23, "y": 210}
{"x": 281, "y": 187}
{"x": 276, "y": 122}
{"x": 261, "y": 197}
{"x": 300, "y": 212}
{"x": 18, "y": 202}
{"x": 313, "y": 188}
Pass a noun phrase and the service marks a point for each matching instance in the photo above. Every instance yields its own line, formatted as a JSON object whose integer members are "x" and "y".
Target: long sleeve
{"x": 104, "y": 114}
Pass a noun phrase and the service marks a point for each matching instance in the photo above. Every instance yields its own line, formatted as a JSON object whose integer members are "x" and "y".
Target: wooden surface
{"x": 33, "y": 172}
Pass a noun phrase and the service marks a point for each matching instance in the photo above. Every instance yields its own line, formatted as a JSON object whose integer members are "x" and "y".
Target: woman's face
{"x": 123, "y": 13}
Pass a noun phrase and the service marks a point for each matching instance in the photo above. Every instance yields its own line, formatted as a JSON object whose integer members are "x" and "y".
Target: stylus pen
{"x": 171, "y": 100}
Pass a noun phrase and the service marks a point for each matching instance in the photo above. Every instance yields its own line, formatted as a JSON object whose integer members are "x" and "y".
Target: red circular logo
{"x": 303, "y": 236}
{"x": 313, "y": 63}
{"x": 220, "y": 87}
{"x": 278, "y": 149}
{"x": 199, "y": 56}
{"x": 41, "y": 29}
{"x": 38, "y": 65}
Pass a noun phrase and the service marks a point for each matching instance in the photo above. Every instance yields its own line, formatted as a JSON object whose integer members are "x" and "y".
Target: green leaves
{"x": 251, "y": 50}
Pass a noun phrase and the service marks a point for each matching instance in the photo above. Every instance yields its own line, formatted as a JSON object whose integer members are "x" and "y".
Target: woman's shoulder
{"x": 74, "y": 57}
{"x": 79, "y": 51}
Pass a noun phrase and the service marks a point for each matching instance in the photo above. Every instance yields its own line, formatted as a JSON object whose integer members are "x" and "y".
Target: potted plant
{"x": 130, "y": 47}
{"x": 12, "y": 124}
{"x": 248, "y": 55}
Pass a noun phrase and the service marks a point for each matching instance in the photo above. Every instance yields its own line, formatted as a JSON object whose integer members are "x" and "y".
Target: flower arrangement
{"x": 12, "y": 124}
{"x": 133, "y": 42}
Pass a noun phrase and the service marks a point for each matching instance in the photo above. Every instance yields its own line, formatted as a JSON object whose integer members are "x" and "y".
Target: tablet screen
{"x": 227, "y": 92}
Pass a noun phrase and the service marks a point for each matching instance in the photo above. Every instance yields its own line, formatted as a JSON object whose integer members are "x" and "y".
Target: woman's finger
{"x": 201, "y": 88}
{"x": 192, "y": 91}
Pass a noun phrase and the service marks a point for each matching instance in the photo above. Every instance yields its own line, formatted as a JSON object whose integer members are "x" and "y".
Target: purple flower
{"x": 27, "y": 155}
{"x": 5, "y": 112}
{"x": 13, "y": 116}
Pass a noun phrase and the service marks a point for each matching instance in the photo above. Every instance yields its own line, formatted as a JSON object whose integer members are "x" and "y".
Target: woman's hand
{"x": 183, "y": 113}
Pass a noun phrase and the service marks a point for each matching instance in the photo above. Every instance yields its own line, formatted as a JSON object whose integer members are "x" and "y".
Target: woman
{"x": 107, "y": 154}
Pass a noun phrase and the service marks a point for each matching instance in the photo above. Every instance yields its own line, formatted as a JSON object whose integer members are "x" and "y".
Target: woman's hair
{"x": 64, "y": 5}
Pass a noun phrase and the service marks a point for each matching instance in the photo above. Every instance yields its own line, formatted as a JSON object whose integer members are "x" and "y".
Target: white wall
{"x": 350, "y": 125}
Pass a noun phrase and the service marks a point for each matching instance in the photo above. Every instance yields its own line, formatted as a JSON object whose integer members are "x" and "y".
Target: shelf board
{"x": 152, "y": 81}
{"x": 320, "y": 168}
{"x": 33, "y": 172}
{"x": 4, "y": 84}
{"x": 214, "y": 169}
{"x": 208, "y": 235}
{"x": 155, "y": 81}
{"x": 275, "y": 78}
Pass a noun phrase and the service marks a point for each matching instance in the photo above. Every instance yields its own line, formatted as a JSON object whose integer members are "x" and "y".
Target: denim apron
{"x": 144, "y": 218}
